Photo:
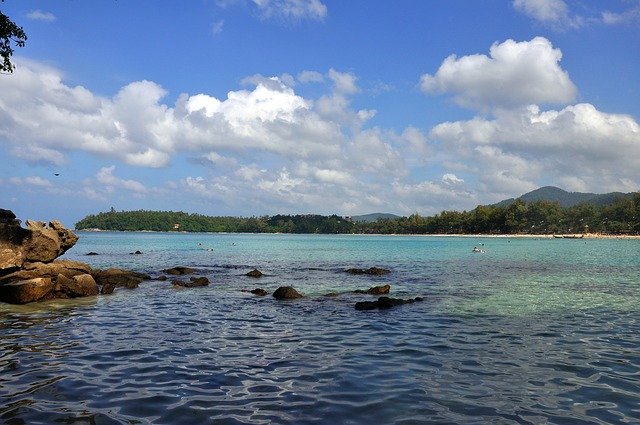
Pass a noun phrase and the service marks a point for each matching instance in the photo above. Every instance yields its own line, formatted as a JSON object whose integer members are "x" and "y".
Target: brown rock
{"x": 176, "y": 271}
{"x": 45, "y": 244}
{"x": 375, "y": 271}
{"x": 26, "y": 291}
{"x": 67, "y": 268}
{"x": 375, "y": 290}
{"x": 259, "y": 291}
{"x": 286, "y": 293}
{"x": 117, "y": 277}
{"x": 82, "y": 285}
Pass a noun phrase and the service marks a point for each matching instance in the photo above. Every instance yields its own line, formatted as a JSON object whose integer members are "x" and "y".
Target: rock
{"x": 91, "y": 253}
{"x": 36, "y": 243}
{"x": 82, "y": 285}
{"x": 254, "y": 273}
{"x": 107, "y": 288}
{"x": 375, "y": 290}
{"x": 375, "y": 271}
{"x": 176, "y": 271}
{"x": 286, "y": 293}
{"x": 384, "y": 303}
{"x": 192, "y": 283}
{"x": 162, "y": 278}
{"x": 67, "y": 268}
{"x": 26, "y": 291}
{"x": 259, "y": 291}
{"x": 119, "y": 278}
{"x": 45, "y": 244}
{"x": 136, "y": 253}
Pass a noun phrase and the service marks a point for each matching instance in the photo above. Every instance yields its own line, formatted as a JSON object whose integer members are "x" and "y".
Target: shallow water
{"x": 532, "y": 331}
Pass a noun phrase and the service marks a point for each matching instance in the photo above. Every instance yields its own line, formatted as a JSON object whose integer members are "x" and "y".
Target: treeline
{"x": 520, "y": 217}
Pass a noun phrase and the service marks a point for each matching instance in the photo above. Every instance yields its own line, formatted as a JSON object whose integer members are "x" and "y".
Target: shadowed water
{"x": 532, "y": 331}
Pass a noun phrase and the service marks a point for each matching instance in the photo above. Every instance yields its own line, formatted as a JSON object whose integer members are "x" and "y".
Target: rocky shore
{"x": 30, "y": 270}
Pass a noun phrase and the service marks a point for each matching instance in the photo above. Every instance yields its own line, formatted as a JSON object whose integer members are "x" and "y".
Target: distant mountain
{"x": 566, "y": 199}
{"x": 372, "y": 218}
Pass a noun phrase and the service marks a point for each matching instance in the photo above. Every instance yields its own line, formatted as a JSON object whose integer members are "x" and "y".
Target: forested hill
{"x": 519, "y": 217}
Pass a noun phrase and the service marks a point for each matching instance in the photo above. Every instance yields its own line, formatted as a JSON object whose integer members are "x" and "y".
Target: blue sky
{"x": 253, "y": 107}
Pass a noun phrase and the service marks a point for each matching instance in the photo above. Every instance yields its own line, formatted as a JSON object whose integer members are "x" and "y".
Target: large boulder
{"x": 67, "y": 268}
{"x": 45, "y": 244}
{"x": 82, "y": 285}
{"x": 26, "y": 291}
{"x": 37, "y": 243}
{"x": 286, "y": 293}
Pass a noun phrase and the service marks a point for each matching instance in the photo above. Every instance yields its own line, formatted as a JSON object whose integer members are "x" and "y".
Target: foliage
{"x": 9, "y": 32}
{"x": 519, "y": 217}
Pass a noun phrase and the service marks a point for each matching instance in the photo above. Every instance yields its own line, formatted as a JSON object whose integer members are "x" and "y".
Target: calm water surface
{"x": 532, "y": 331}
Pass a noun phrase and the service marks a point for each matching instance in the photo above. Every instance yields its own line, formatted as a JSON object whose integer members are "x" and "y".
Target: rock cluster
{"x": 375, "y": 271}
{"x": 30, "y": 271}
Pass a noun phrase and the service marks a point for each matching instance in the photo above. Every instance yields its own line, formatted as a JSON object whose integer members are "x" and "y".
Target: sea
{"x": 528, "y": 331}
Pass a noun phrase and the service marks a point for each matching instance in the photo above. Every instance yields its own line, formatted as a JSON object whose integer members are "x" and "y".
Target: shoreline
{"x": 439, "y": 235}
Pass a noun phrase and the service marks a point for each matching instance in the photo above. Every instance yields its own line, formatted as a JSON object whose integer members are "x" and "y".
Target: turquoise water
{"x": 531, "y": 331}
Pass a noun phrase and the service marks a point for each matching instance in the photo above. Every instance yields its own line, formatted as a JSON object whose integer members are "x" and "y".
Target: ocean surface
{"x": 530, "y": 331}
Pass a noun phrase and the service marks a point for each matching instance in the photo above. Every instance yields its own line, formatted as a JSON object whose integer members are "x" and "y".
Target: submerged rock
{"x": 254, "y": 273}
{"x": 180, "y": 270}
{"x": 119, "y": 278}
{"x": 375, "y": 290}
{"x": 192, "y": 283}
{"x": 286, "y": 293}
{"x": 259, "y": 291}
{"x": 374, "y": 271}
{"x": 384, "y": 303}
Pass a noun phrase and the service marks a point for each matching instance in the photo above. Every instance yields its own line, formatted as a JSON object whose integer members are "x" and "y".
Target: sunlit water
{"x": 531, "y": 331}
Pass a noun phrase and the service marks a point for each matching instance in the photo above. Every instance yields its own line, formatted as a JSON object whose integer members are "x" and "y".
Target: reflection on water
{"x": 498, "y": 339}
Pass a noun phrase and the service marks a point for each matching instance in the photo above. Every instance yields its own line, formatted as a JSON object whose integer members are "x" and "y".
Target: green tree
{"x": 10, "y": 33}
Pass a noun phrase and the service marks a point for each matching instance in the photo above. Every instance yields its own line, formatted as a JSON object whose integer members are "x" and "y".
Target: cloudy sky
{"x": 254, "y": 107}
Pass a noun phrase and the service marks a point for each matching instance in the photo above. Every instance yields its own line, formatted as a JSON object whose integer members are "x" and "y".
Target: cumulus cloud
{"x": 295, "y": 10}
{"x": 518, "y": 148}
{"x": 514, "y": 74}
{"x": 39, "y": 15}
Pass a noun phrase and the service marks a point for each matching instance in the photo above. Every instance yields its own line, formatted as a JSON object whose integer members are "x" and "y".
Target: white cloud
{"x": 551, "y": 12}
{"x": 450, "y": 178}
{"x": 294, "y": 10}
{"x": 35, "y": 181}
{"x": 515, "y": 74}
{"x": 310, "y": 77}
{"x": 517, "y": 149}
{"x": 105, "y": 176}
{"x": 613, "y": 18}
{"x": 217, "y": 27}
{"x": 39, "y": 15}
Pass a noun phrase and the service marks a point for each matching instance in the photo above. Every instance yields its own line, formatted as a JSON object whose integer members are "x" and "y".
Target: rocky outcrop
{"x": 384, "y": 303}
{"x": 286, "y": 293}
{"x": 30, "y": 272}
{"x": 374, "y": 271}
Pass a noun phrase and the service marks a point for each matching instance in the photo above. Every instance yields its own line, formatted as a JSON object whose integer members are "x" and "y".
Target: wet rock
{"x": 91, "y": 253}
{"x": 259, "y": 291}
{"x": 26, "y": 291}
{"x": 192, "y": 283}
{"x": 254, "y": 273}
{"x": 374, "y": 271}
{"x": 162, "y": 278}
{"x": 177, "y": 271}
{"x": 375, "y": 290}
{"x": 119, "y": 278}
{"x": 384, "y": 303}
{"x": 286, "y": 293}
{"x": 136, "y": 253}
{"x": 107, "y": 289}
{"x": 67, "y": 268}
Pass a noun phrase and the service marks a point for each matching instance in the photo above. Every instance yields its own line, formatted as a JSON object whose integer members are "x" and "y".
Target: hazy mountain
{"x": 372, "y": 218}
{"x": 566, "y": 199}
